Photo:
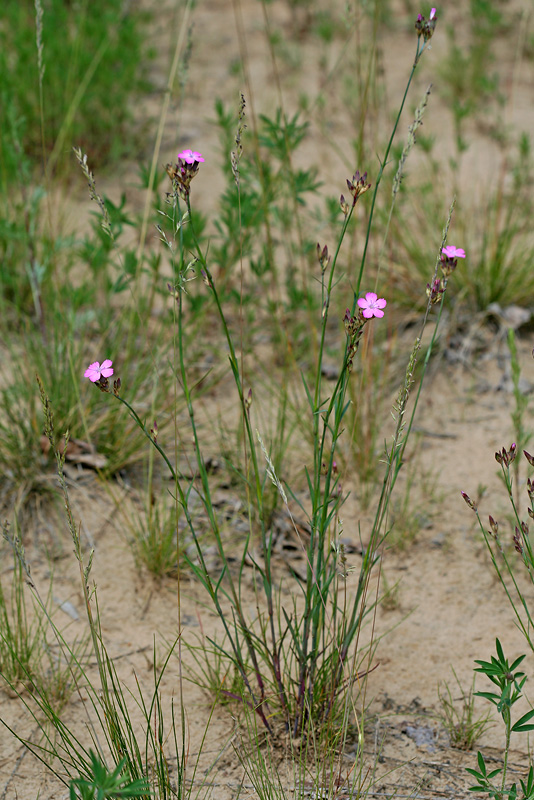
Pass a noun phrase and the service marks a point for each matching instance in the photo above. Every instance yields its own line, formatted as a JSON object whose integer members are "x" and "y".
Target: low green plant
{"x": 468, "y": 77}
{"x": 509, "y": 682}
{"x": 104, "y": 784}
{"x": 457, "y": 714}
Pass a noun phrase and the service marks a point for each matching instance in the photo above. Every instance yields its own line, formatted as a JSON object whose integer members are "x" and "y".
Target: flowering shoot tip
{"x": 425, "y": 27}
{"x": 183, "y": 172}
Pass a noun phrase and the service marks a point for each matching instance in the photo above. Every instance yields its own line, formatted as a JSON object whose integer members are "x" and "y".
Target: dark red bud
{"x": 469, "y": 502}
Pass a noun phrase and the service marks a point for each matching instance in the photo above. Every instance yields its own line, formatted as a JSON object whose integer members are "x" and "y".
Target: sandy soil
{"x": 448, "y": 607}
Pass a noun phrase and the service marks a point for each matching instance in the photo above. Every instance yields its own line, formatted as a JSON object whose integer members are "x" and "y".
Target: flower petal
{"x": 378, "y": 313}
{"x": 381, "y": 303}
{"x": 371, "y": 297}
{"x": 92, "y": 372}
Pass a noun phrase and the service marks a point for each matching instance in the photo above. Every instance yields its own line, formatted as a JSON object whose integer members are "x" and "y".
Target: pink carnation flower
{"x": 432, "y": 14}
{"x": 453, "y": 252}
{"x": 372, "y": 305}
{"x": 95, "y": 371}
{"x": 190, "y": 156}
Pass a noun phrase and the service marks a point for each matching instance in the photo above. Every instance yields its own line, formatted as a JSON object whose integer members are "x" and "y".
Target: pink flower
{"x": 95, "y": 371}
{"x": 190, "y": 156}
{"x": 371, "y": 305}
{"x": 453, "y": 252}
{"x": 432, "y": 14}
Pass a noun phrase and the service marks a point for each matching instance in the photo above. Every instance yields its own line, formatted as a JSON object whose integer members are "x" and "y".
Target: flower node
{"x": 517, "y": 541}
{"x": 425, "y": 27}
{"x": 505, "y": 457}
{"x": 357, "y": 186}
{"x": 435, "y": 291}
{"x": 183, "y": 172}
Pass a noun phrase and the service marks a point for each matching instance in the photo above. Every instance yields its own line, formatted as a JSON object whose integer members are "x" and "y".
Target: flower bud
{"x": 517, "y": 541}
{"x": 469, "y": 502}
{"x": 324, "y": 258}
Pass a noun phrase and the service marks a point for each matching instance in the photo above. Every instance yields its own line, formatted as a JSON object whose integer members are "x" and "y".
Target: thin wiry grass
{"x": 457, "y": 714}
{"x": 29, "y": 661}
{"x": 139, "y": 754}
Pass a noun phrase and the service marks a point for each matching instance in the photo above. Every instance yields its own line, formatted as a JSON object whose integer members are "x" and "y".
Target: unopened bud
{"x": 469, "y": 502}
{"x": 248, "y": 400}
{"x": 116, "y": 387}
{"x": 529, "y": 458}
{"x": 506, "y": 456}
{"x": 517, "y": 541}
{"x": 324, "y": 258}
{"x": 344, "y": 205}
{"x": 493, "y": 525}
{"x": 173, "y": 291}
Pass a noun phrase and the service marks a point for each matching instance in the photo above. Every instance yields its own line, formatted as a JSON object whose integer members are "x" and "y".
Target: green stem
{"x": 418, "y": 53}
{"x": 506, "y": 715}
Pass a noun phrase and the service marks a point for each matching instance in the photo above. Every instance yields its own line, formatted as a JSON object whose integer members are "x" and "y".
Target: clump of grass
{"x": 56, "y": 89}
{"x": 29, "y": 660}
{"x": 457, "y": 714}
{"x": 155, "y": 539}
